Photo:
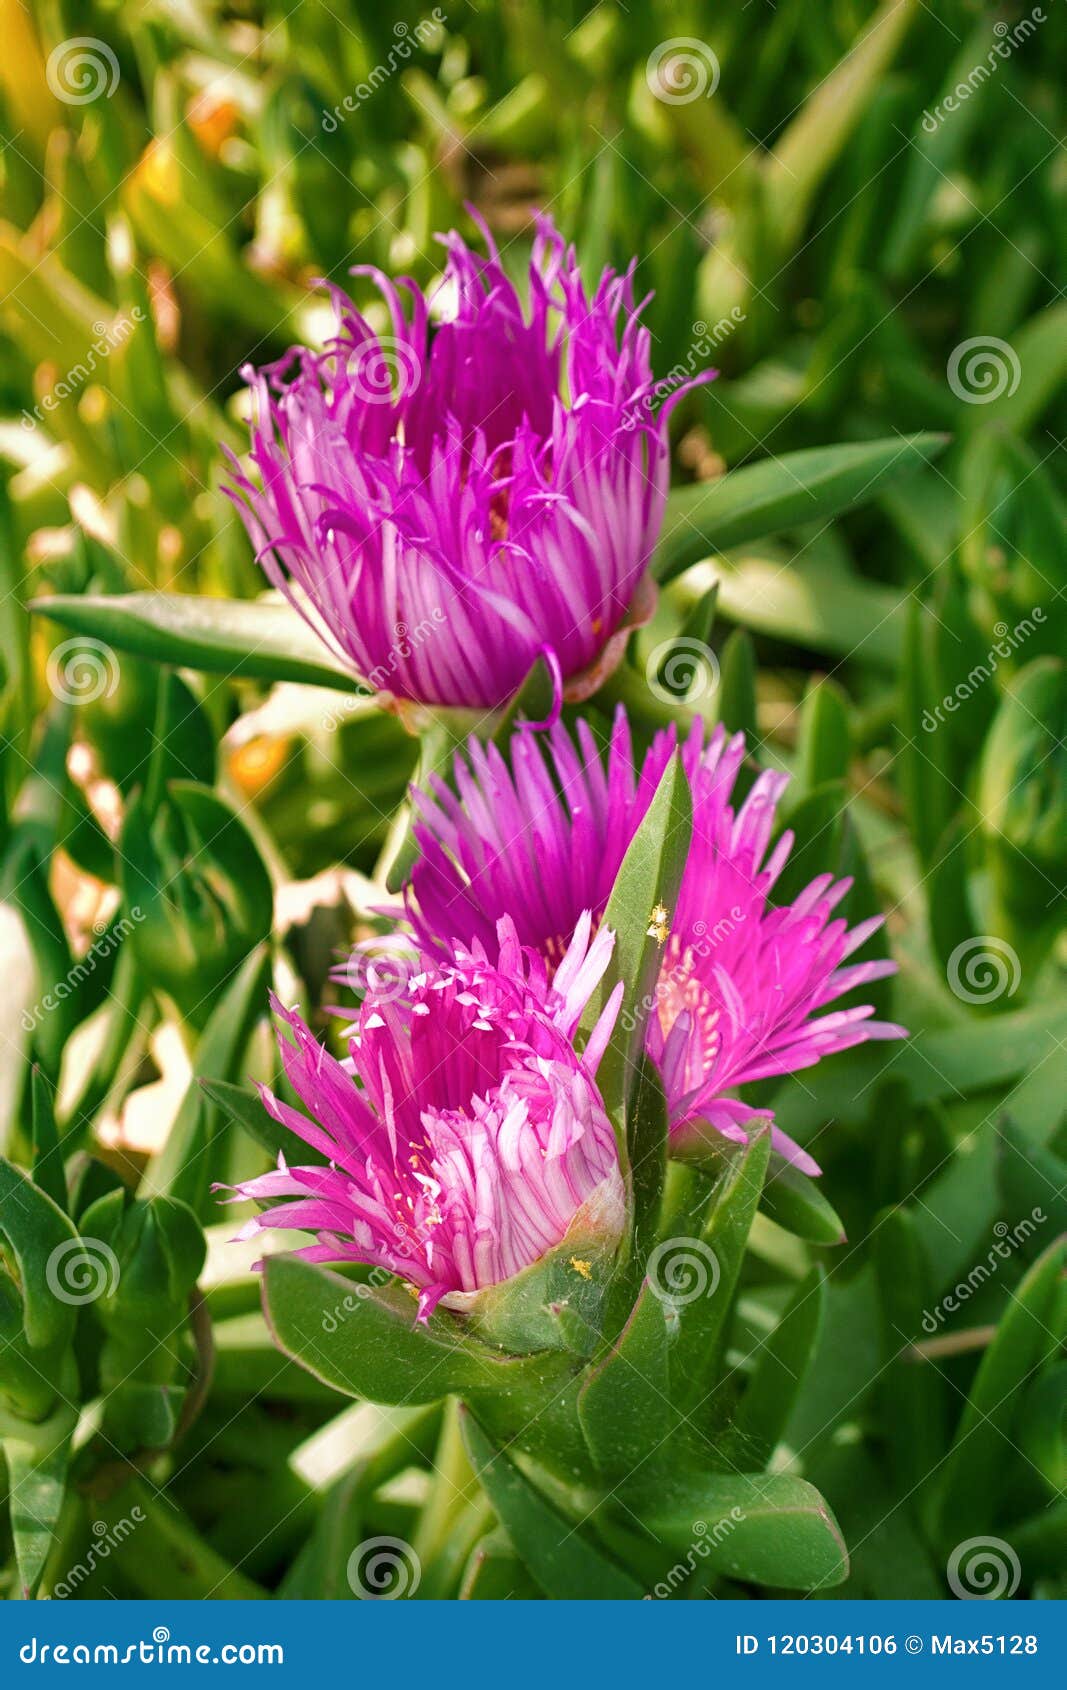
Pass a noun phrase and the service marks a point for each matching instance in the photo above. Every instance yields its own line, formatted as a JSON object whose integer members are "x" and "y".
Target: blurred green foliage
{"x": 859, "y": 215}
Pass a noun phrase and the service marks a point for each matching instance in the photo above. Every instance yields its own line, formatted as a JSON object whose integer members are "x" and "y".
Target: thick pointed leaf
{"x": 698, "y": 1276}
{"x": 889, "y": 1558}
{"x": 31, "y": 897}
{"x": 564, "y": 1560}
{"x": 818, "y": 823}
{"x": 913, "y": 1392}
{"x": 532, "y": 702}
{"x": 366, "y": 1342}
{"x": 845, "y": 1366}
{"x": 1043, "y": 1427}
{"x": 837, "y": 615}
{"x": 737, "y": 686}
{"x": 190, "y": 1159}
{"x": 48, "y": 1170}
{"x": 930, "y": 794}
{"x": 952, "y": 920}
{"x": 824, "y": 739}
{"x": 647, "y": 1139}
{"x": 976, "y": 1469}
{"x": 781, "y": 1364}
{"x": 813, "y": 138}
{"x": 444, "y": 733}
{"x": 245, "y": 1110}
{"x": 166, "y": 1558}
{"x": 781, "y": 493}
{"x": 261, "y": 640}
{"x": 650, "y": 874}
{"x": 797, "y": 1203}
{"x": 200, "y": 893}
{"x": 765, "y": 1528}
{"x": 37, "y": 1484}
{"x": 624, "y": 1404}
{"x": 41, "y": 1238}
{"x": 1032, "y": 1179}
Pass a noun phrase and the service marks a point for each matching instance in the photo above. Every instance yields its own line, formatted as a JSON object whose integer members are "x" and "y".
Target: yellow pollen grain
{"x": 659, "y": 923}
{"x": 584, "y": 1268}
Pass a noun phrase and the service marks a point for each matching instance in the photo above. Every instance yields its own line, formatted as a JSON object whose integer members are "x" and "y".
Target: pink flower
{"x": 743, "y": 982}
{"x": 446, "y": 503}
{"x": 475, "y": 1134}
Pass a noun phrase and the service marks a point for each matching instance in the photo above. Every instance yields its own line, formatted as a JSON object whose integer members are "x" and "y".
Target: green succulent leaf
{"x": 650, "y": 875}
{"x": 37, "y": 1481}
{"x": 624, "y": 1403}
{"x": 48, "y": 1171}
{"x": 647, "y": 1140}
{"x": 245, "y": 1110}
{"x": 191, "y": 1159}
{"x": 781, "y": 1364}
{"x": 737, "y": 686}
{"x": 198, "y": 893}
{"x": 699, "y": 1275}
{"x": 564, "y": 1560}
{"x": 913, "y": 1390}
{"x": 365, "y": 1342}
{"x": 1043, "y": 1427}
{"x": 1032, "y": 1179}
{"x": 260, "y": 640}
{"x": 824, "y": 738}
{"x": 42, "y": 1250}
{"x": 766, "y": 1528}
{"x": 796, "y": 1202}
{"x": 975, "y": 1472}
{"x": 781, "y": 493}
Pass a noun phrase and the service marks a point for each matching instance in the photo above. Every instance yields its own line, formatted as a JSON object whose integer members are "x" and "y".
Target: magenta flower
{"x": 443, "y": 504}
{"x": 742, "y": 982}
{"x": 476, "y": 1135}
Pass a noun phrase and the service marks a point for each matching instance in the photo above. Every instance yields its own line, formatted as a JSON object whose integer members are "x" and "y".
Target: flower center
{"x": 680, "y": 989}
